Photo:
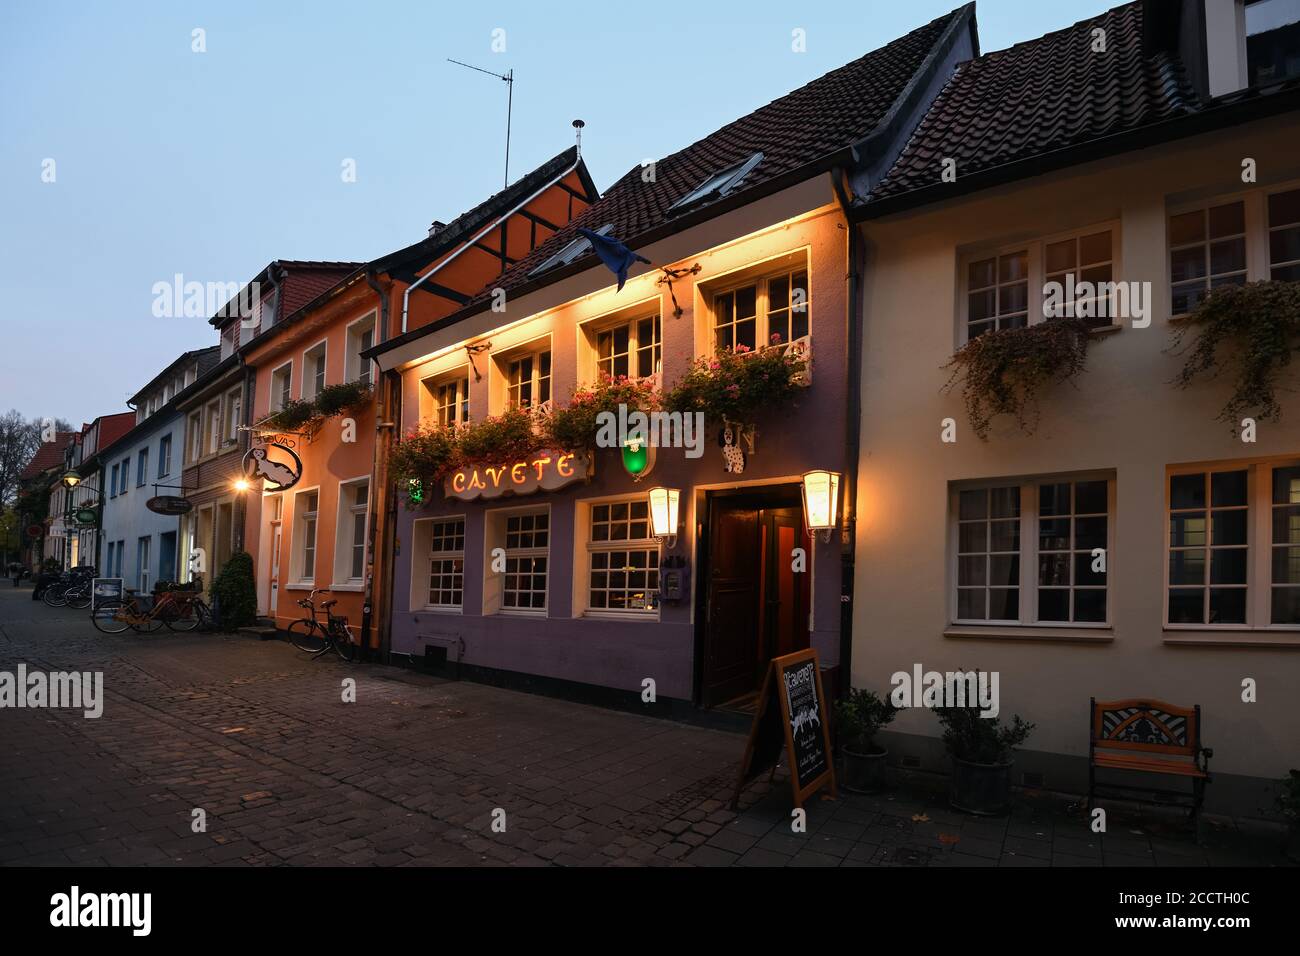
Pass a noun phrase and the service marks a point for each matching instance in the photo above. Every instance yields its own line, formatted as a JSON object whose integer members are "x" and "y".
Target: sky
{"x": 211, "y": 164}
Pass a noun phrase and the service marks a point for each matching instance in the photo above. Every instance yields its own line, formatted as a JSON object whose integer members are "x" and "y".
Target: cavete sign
{"x": 546, "y": 470}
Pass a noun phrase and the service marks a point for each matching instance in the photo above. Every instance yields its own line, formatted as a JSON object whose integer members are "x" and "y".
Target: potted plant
{"x": 1288, "y": 801}
{"x": 983, "y": 752}
{"x": 858, "y": 718}
{"x": 733, "y": 384}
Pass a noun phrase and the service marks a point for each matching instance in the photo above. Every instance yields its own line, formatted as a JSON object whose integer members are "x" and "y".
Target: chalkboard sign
{"x": 791, "y": 717}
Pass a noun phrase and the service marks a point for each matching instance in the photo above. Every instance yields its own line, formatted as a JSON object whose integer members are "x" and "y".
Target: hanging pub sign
{"x": 35, "y": 531}
{"x": 546, "y": 470}
{"x": 85, "y": 516}
{"x": 275, "y": 463}
{"x": 169, "y": 505}
{"x": 791, "y": 717}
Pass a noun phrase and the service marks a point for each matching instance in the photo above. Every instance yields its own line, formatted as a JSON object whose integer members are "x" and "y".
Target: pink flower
{"x": 742, "y": 349}
{"x": 776, "y": 338}
{"x": 715, "y": 365}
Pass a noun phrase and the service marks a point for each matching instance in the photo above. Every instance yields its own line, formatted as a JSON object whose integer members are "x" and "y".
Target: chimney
{"x": 436, "y": 227}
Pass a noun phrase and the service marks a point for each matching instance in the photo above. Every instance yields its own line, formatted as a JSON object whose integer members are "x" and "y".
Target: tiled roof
{"x": 1043, "y": 96}
{"x": 49, "y": 455}
{"x": 819, "y": 119}
{"x": 113, "y": 427}
{"x": 304, "y": 281}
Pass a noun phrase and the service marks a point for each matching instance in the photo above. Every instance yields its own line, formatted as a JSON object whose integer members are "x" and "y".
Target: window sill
{"x": 1105, "y": 330}
{"x": 439, "y": 609}
{"x": 1233, "y": 637}
{"x": 347, "y": 586}
{"x": 301, "y": 586}
{"x": 644, "y": 617}
{"x": 515, "y": 612}
{"x": 1032, "y": 632}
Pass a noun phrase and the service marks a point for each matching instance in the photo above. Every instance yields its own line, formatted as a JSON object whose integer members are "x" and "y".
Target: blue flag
{"x": 617, "y": 257}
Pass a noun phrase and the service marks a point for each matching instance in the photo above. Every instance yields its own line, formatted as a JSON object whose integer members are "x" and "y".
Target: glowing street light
{"x": 664, "y": 508}
{"x": 821, "y": 501}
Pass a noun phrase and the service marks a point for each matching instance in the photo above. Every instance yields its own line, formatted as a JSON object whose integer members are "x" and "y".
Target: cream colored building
{"x": 1122, "y": 460}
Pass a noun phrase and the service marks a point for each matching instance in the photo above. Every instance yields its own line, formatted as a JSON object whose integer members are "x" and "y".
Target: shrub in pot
{"x": 857, "y": 720}
{"x": 1288, "y": 801}
{"x": 982, "y": 751}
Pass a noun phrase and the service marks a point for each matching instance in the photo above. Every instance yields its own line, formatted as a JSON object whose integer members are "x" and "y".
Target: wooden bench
{"x": 1148, "y": 736}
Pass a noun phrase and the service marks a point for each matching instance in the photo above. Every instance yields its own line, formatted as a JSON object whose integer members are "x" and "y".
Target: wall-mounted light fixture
{"x": 664, "y": 509}
{"x": 70, "y": 479}
{"x": 241, "y": 485}
{"x": 821, "y": 502}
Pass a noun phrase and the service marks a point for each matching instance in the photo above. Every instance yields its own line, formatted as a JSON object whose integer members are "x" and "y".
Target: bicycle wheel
{"x": 55, "y": 595}
{"x": 307, "y": 636}
{"x": 343, "y": 645}
{"x": 111, "y": 617}
{"x": 182, "y": 617}
{"x": 79, "y": 598}
{"x": 148, "y": 623}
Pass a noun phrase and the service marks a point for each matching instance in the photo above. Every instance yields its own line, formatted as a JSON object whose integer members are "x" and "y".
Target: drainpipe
{"x": 406, "y": 296}
{"x": 381, "y": 558}
{"x": 853, "y": 431}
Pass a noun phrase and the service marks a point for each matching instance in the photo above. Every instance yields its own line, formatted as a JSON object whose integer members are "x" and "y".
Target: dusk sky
{"x": 212, "y": 164}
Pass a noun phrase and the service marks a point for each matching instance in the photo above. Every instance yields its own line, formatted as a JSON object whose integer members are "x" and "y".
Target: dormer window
{"x": 570, "y": 253}
{"x": 1272, "y": 41}
{"x": 716, "y": 186}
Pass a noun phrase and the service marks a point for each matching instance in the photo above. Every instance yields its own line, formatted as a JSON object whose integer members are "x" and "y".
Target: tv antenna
{"x": 509, "y": 78}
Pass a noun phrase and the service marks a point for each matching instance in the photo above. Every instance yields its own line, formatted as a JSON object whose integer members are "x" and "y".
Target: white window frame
{"x": 359, "y": 369}
{"x": 433, "y": 386}
{"x": 231, "y": 415}
{"x": 423, "y": 537}
{"x": 503, "y": 361}
{"x": 143, "y": 560}
{"x": 630, "y": 319}
{"x": 1029, "y": 522}
{"x": 142, "y": 467}
{"x": 762, "y": 302}
{"x": 592, "y": 547}
{"x": 125, "y": 486}
{"x": 1259, "y": 544}
{"x": 279, "y": 395}
{"x": 164, "y": 460}
{"x": 299, "y": 540}
{"x": 194, "y": 436}
{"x": 308, "y": 389}
{"x": 344, "y": 529}
{"x": 1035, "y": 249}
{"x": 495, "y": 532}
{"x": 212, "y": 427}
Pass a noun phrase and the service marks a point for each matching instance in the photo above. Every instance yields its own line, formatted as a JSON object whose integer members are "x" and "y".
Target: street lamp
{"x": 664, "y": 507}
{"x": 70, "y": 479}
{"x": 821, "y": 501}
{"x": 241, "y": 485}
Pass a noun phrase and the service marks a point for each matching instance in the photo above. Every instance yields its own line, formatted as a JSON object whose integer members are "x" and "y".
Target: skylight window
{"x": 570, "y": 253}
{"x": 716, "y": 186}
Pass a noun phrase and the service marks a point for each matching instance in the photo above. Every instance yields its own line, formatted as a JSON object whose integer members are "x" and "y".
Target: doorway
{"x": 754, "y": 604}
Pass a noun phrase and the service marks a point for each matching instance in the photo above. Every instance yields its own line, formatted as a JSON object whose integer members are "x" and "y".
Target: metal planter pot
{"x": 864, "y": 772}
{"x": 980, "y": 788}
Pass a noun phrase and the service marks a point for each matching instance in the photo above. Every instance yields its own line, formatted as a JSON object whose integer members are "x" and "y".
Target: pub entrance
{"x": 752, "y": 604}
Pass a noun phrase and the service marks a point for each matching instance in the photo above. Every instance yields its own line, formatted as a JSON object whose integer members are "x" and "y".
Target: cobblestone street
{"x": 258, "y": 738}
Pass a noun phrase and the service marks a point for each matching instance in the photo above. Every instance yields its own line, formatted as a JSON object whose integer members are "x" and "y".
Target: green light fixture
{"x": 638, "y": 458}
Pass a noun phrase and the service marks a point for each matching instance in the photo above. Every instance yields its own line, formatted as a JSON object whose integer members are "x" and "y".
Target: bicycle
{"x": 114, "y": 617}
{"x": 73, "y": 585}
{"x": 186, "y": 611}
{"x": 312, "y": 637}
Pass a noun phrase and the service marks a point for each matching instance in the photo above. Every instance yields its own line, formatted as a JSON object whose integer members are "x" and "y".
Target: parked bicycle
{"x": 177, "y": 610}
{"x": 312, "y": 637}
{"x": 72, "y": 589}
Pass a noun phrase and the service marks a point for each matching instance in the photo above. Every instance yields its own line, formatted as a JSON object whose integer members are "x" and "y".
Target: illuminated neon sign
{"x": 546, "y": 470}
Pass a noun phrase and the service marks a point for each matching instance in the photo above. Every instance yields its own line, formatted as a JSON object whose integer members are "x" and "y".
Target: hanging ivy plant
{"x": 574, "y": 427}
{"x": 295, "y": 414}
{"x": 1003, "y": 372}
{"x": 510, "y": 435}
{"x": 735, "y": 383}
{"x": 343, "y": 397}
{"x": 1251, "y": 332}
{"x": 424, "y": 455}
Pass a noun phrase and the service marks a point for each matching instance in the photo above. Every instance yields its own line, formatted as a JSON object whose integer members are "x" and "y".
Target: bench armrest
{"x": 1203, "y": 758}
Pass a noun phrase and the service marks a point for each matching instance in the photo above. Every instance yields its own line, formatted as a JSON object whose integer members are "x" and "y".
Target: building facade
{"x": 983, "y": 553}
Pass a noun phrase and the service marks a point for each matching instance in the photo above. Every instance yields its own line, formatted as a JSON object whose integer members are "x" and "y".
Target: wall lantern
{"x": 242, "y": 484}
{"x": 70, "y": 479}
{"x": 664, "y": 506}
{"x": 821, "y": 502}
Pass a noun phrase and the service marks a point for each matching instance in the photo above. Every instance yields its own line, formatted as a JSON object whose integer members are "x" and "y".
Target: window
{"x": 630, "y": 349}
{"x": 1035, "y": 552}
{"x": 313, "y": 371}
{"x": 164, "y": 456}
{"x": 142, "y": 564}
{"x": 570, "y": 253}
{"x": 1284, "y": 236}
{"x": 773, "y": 310}
{"x": 1217, "y": 576}
{"x": 450, "y": 401}
{"x": 141, "y": 467}
{"x": 305, "y": 513}
{"x": 361, "y": 336}
{"x": 194, "y": 435}
{"x": 350, "y": 532}
{"x": 1207, "y": 249}
{"x": 281, "y": 386}
{"x": 1272, "y": 41}
{"x": 108, "y": 567}
{"x": 1076, "y": 259}
{"x": 526, "y": 542}
{"x": 446, "y": 550}
{"x": 126, "y": 476}
{"x": 717, "y": 185}
{"x": 528, "y": 380}
{"x": 112, "y": 483}
{"x": 233, "y": 417}
{"x": 212, "y": 427}
{"x": 623, "y": 565}
{"x": 997, "y": 293}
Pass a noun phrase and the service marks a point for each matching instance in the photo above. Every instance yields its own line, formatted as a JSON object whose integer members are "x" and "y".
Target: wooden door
{"x": 786, "y": 591}
{"x": 732, "y": 655}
